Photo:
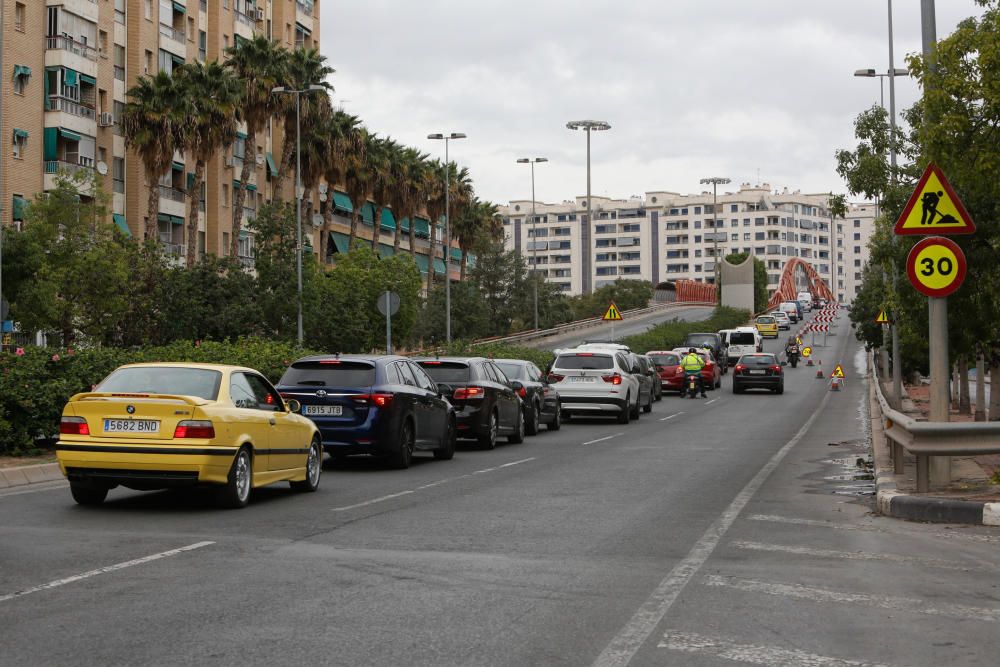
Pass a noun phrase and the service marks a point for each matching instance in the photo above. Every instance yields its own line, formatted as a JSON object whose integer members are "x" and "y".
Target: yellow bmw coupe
{"x": 154, "y": 426}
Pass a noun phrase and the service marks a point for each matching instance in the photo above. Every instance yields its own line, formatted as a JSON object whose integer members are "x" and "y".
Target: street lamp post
{"x": 716, "y": 181}
{"x": 447, "y": 229}
{"x": 299, "y": 194}
{"x": 588, "y": 126}
{"x": 871, "y": 73}
{"x": 534, "y": 230}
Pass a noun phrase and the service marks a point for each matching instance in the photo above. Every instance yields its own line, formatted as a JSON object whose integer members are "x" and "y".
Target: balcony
{"x": 249, "y": 214}
{"x": 245, "y": 261}
{"x": 176, "y": 35}
{"x": 173, "y": 194}
{"x": 245, "y": 19}
{"x": 66, "y": 44}
{"x": 72, "y": 107}
{"x": 54, "y": 166}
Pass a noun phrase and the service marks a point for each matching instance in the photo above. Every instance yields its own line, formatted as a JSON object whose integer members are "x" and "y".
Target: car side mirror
{"x": 516, "y": 386}
{"x": 636, "y": 370}
{"x": 443, "y": 389}
{"x": 784, "y": 363}
{"x": 293, "y": 405}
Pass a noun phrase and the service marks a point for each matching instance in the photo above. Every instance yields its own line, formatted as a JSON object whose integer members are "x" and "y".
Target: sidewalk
{"x": 970, "y": 498}
{"x": 32, "y": 474}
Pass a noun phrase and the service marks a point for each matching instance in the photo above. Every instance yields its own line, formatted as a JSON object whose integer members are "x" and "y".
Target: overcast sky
{"x": 692, "y": 88}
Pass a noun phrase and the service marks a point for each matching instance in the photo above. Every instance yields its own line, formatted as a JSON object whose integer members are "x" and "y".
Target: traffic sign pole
{"x": 388, "y": 325}
{"x": 937, "y": 310}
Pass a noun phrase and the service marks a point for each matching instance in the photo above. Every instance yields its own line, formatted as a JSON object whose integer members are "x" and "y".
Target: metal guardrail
{"x": 584, "y": 323}
{"x": 925, "y": 439}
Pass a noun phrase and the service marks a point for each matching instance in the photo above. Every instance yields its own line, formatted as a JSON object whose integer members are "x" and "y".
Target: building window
{"x": 857, "y": 250}
{"x": 21, "y": 75}
{"x": 857, "y": 224}
{"x": 118, "y": 174}
{"x": 225, "y": 194}
{"x": 20, "y": 143}
{"x": 19, "y": 14}
{"x": 857, "y": 236}
{"x": 148, "y": 66}
{"x": 147, "y": 9}
{"x": 202, "y": 45}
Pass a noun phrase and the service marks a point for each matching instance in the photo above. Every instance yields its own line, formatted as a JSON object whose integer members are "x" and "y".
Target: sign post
{"x": 612, "y": 314}
{"x": 936, "y": 267}
{"x": 388, "y": 305}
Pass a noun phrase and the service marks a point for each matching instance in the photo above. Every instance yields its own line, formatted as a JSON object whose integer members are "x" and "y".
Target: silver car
{"x": 596, "y": 382}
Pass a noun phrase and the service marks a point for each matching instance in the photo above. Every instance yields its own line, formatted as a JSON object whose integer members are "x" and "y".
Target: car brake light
{"x": 584, "y": 354}
{"x": 739, "y": 368}
{"x": 776, "y": 368}
{"x": 194, "y": 428}
{"x": 469, "y": 393}
{"x": 522, "y": 392}
{"x": 555, "y": 377}
{"x": 430, "y": 363}
{"x": 613, "y": 379}
{"x": 381, "y": 400}
{"x": 329, "y": 361}
{"x": 73, "y": 426}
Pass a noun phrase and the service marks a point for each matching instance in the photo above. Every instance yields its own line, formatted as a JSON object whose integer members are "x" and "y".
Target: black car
{"x": 758, "y": 371}
{"x": 541, "y": 402}
{"x": 383, "y": 406}
{"x": 649, "y": 368}
{"x": 486, "y": 401}
{"x": 712, "y": 341}
{"x": 642, "y": 369}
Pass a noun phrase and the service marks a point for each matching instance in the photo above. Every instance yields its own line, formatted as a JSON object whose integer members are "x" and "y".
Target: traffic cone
{"x": 835, "y": 384}
{"x": 810, "y": 362}
{"x": 819, "y": 371}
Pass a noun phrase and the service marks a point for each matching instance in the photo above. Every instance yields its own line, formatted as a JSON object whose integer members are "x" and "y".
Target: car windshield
{"x": 765, "y": 320}
{"x": 511, "y": 370}
{"x": 582, "y": 361}
{"x": 330, "y": 373}
{"x": 200, "y": 382}
{"x": 665, "y": 359}
{"x": 701, "y": 339}
{"x": 446, "y": 371}
{"x": 758, "y": 360}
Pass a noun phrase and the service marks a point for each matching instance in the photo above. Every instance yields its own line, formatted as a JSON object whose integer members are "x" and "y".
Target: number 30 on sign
{"x": 936, "y": 266}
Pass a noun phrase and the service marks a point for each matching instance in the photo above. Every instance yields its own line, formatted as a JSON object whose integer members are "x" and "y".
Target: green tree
{"x": 213, "y": 300}
{"x": 275, "y": 264}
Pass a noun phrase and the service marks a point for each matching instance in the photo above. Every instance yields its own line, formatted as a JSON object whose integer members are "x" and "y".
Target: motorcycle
{"x": 793, "y": 355}
{"x": 691, "y": 385}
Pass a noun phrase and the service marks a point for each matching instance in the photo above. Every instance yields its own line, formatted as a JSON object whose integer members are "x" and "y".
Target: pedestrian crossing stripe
{"x": 612, "y": 314}
{"x": 882, "y": 318}
{"x": 838, "y": 372}
{"x": 934, "y": 208}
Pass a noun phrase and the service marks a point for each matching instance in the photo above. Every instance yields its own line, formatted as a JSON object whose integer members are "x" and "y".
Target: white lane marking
{"x": 608, "y": 437}
{"x": 755, "y": 654}
{"x": 104, "y": 570}
{"x": 846, "y": 555}
{"x": 671, "y": 416}
{"x": 431, "y": 485}
{"x": 989, "y": 539}
{"x": 822, "y": 595}
{"x": 711, "y": 401}
{"x": 630, "y": 638}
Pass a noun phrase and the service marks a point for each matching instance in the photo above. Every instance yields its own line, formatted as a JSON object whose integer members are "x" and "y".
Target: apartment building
{"x": 666, "y": 236}
{"x": 67, "y": 65}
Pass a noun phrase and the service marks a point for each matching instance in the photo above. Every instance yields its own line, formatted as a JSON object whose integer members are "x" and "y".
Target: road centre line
{"x": 637, "y": 630}
{"x": 910, "y": 605}
{"x": 104, "y": 570}
{"x": 608, "y": 437}
{"x": 755, "y": 654}
{"x": 711, "y": 401}
{"x": 447, "y": 480}
{"x": 846, "y": 555}
{"x": 671, "y": 416}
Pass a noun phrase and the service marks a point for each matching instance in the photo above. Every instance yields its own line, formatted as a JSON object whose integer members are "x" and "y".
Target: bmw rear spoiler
{"x": 105, "y": 395}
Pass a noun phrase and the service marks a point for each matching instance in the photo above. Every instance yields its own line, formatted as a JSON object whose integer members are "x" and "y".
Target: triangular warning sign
{"x": 838, "y": 372}
{"x": 882, "y": 317}
{"x": 613, "y": 314}
{"x": 934, "y": 208}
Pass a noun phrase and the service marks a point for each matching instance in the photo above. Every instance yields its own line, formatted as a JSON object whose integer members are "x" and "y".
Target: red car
{"x": 711, "y": 373}
{"x": 668, "y": 367}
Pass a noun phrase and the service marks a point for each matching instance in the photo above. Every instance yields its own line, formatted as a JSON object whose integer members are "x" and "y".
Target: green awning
{"x": 368, "y": 214}
{"x": 177, "y": 166}
{"x": 385, "y": 250}
{"x": 190, "y": 180}
{"x": 342, "y": 201}
{"x": 251, "y": 187}
{"x": 422, "y": 228}
{"x": 67, "y": 135}
{"x": 89, "y": 80}
{"x": 178, "y": 7}
{"x": 271, "y": 166}
{"x": 456, "y": 254}
{"x": 388, "y": 222}
{"x": 303, "y": 28}
{"x": 122, "y": 225}
{"x": 69, "y": 77}
{"x": 470, "y": 260}
{"x": 20, "y": 207}
{"x": 172, "y": 219}
{"x": 439, "y": 266}
{"x": 341, "y": 241}
{"x": 404, "y": 225}
{"x": 51, "y": 139}
{"x": 422, "y": 262}
{"x": 20, "y": 134}
{"x": 21, "y": 70}
{"x": 177, "y": 60}
{"x": 241, "y": 135}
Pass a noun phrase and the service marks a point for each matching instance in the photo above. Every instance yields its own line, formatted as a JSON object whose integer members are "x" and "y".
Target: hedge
{"x": 35, "y": 385}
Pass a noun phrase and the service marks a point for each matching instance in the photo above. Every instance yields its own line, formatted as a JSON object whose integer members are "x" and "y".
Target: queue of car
{"x": 164, "y": 425}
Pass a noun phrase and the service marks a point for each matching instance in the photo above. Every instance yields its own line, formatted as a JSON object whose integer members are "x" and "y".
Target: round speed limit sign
{"x": 936, "y": 266}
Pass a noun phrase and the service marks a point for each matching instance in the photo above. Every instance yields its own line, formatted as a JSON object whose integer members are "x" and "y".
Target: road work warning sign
{"x": 838, "y": 372}
{"x": 934, "y": 208}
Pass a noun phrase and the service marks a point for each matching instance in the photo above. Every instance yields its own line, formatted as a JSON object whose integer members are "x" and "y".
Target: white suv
{"x": 596, "y": 380}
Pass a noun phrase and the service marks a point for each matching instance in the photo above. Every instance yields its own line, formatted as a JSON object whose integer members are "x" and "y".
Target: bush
{"x": 670, "y": 334}
{"x": 35, "y": 386}
{"x": 540, "y": 358}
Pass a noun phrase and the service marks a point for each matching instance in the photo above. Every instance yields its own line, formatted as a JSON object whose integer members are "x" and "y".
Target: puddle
{"x": 850, "y": 478}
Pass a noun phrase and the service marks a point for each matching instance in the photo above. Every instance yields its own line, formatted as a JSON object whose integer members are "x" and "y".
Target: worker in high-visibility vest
{"x": 692, "y": 363}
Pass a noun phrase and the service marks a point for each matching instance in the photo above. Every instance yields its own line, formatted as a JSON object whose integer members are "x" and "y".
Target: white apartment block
{"x": 667, "y": 236}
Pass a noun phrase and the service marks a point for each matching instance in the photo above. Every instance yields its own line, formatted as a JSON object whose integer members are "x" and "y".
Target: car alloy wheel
{"x": 404, "y": 454}
{"x": 314, "y": 466}
{"x": 532, "y": 427}
{"x": 446, "y": 451}
{"x": 489, "y": 439}
{"x": 236, "y": 493}
{"x": 517, "y": 437}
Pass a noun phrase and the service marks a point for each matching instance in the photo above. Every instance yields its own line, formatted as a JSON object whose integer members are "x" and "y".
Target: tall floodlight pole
{"x": 534, "y": 230}
{"x": 870, "y": 73}
{"x": 897, "y": 365}
{"x": 588, "y": 126}
{"x": 716, "y": 181}
{"x": 447, "y": 229}
{"x": 299, "y": 192}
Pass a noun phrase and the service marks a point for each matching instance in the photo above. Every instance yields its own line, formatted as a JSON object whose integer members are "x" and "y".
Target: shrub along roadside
{"x": 670, "y": 334}
{"x": 540, "y": 358}
{"x": 35, "y": 386}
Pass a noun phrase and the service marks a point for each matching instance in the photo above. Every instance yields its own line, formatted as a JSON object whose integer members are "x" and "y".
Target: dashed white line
{"x": 822, "y": 595}
{"x": 846, "y": 555}
{"x": 515, "y": 463}
{"x": 608, "y": 437}
{"x": 755, "y": 654}
{"x": 671, "y": 416}
{"x": 711, "y": 401}
{"x": 372, "y": 501}
{"x": 103, "y": 570}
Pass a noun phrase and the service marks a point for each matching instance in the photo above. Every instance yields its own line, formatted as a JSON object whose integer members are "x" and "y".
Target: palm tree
{"x": 303, "y": 68}
{"x": 357, "y": 178}
{"x": 316, "y": 138}
{"x": 408, "y": 195}
{"x": 210, "y": 97}
{"x": 459, "y": 193}
{"x": 258, "y": 65}
{"x": 345, "y": 137}
{"x": 151, "y": 123}
{"x": 379, "y": 153}
{"x": 477, "y": 222}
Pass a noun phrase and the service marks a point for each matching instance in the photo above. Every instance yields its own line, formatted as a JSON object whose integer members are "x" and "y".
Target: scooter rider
{"x": 692, "y": 363}
{"x": 792, "y": 350}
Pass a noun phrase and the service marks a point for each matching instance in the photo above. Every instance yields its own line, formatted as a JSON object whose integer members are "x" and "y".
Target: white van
{"x": 806, "y": 299}
{"x": 740, "y": 341}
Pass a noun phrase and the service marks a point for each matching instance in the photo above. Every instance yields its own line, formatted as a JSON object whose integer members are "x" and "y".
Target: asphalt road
{"x": 719, "y": 531}
{"x": 629, "y": 327}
